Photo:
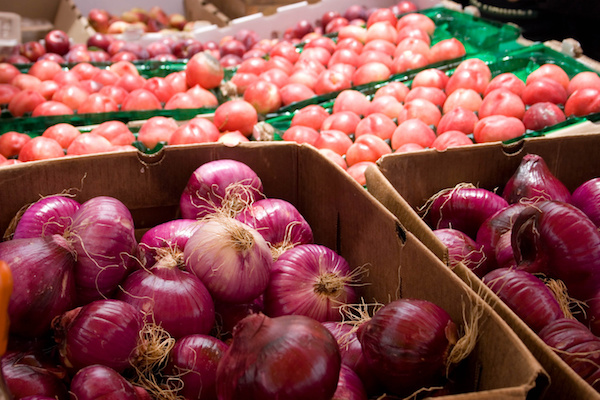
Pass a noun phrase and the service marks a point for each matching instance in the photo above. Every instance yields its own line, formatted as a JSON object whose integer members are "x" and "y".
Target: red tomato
{"x": 41, "y": 148}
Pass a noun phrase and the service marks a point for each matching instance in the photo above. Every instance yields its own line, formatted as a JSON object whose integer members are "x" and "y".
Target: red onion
{"x": 229, "y": 314}
{"x": 560, "y": 240}
{"x": 43, "y": 282}
{"x": 29, "y": 373}
{"x": 526, "y": 295}
{"x": 350, "y": 387}
{"x": 220, "y": 186}
{"x": 169, "y": 237}
{"x": 232, "y": 259}
{"x": 103, "y": 236}
{"x": 279, "y": 222}
{"x": 406, "y": 344}
{"x": 310, "y": 280}
{"x": 494, "y": 227}
{"x": 577, "y": 346}
{"x": 174, "y": 299}
{"x": 98, "y": 382}
{"x": 463, "y": 249}
{"x": 587, "y": 198}
{"x": 504, "y": 254}
{"x": 193, "y": 361}
{"x": 48, "y": 216}
{"x": 103, "y": 332}
{"x": 533, "y": 182}
{"x": 290, "y": 357}
{"x": 463, "y": 208}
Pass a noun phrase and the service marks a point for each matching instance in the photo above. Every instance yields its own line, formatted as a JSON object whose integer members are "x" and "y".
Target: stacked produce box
{"x": 268, "y": 129}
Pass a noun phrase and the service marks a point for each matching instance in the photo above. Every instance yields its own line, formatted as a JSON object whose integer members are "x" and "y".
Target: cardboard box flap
{"x": 343, "y": 216}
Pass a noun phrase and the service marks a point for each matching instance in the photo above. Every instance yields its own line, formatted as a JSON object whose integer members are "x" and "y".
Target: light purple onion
{"x": 169, "y": 237}
{"x": 279, "y": 222}
{"x": 105, "y": 332}
{"x": 48, "y": 216}
{"x": 174, "y": 299}
{"x": 194, "y": 360}
{"x": 463, "y": 249}
{"x": 101, "y": 382}
{"x": 220, "y": 186}
{"x": 43, "y": 270}
{"x": 310, "y": 280}
{"x": 231, "y": 258}
{"x": 587, "y": 198}
{"x": 103, "y": 235}
{"x": 526, "y": 295}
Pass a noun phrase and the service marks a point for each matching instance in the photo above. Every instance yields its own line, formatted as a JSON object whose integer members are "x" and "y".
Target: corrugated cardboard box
{"x": 404, "y": 182}
{"x": 342, "y": 214}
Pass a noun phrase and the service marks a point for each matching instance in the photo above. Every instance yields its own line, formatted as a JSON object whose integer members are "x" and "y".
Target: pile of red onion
{"x": 537, "y": 246}
{"x": 232, "y": 301}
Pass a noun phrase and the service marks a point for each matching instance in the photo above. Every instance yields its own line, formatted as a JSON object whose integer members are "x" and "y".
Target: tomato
{"x": 40, "y": 148}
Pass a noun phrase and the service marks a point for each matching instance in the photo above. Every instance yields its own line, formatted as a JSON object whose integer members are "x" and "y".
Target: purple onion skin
{"x": 26, "y": 375}
{"x": 194, "y": 360}
{"x": 463, "y": 249}
{"x": 104, "y": 332}
{"x": 406, "y": 344}
{"x": 526, "y": 295}
{"x": 175, "y": 299}
{"x": 559, "y": 240}
{"x": 278, "y": 221}
{"x": 97, "y": 382}
{"x": 464, "y": 209}
{"x": 171, "y": 235}
{"x": 209, "y": 186}
{"x": 43, "y": 270}
{"x": 350, "y": 387}
{"x": 103, "y": 236}
{"x": 577, "y": 346}
{"x": 534, "y": 182}
{"x": 587, "y": 198}
{"x": 46, "y": 217}
{"x": 351, "y": 352}
{"x": 505, "y": 257}
{"x": 305, "y": 280}
{"x": 494, "y": 227}
{"x": 291, "y": 357}
{"x": 229, "y": 314}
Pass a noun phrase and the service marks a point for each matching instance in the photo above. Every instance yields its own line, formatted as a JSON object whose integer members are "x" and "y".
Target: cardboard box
{"x": 342, "y": 214}
{"x": 404, "y": 182}
{"x": 38, "y": 17}
{"x": 273, "y": 23}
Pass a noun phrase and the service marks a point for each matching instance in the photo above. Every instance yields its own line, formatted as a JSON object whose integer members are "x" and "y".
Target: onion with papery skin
{"x": 526, "y": 295}
{"x": 463, "y": 249}
{"x": 48, "y": 216}
{"x": 292, "y": 357}
{"x": 494, "y": 227}
{"x": 221, "y": 186}
{"x": 350, "y": 387}
{"x": 231, "y": 258}
{"x": 101, "y": 382}
{"x": 587, "y": 198}
{"x": 577, "y": 346}
{"x": 44, "y": 282}
{"x": 558, "y": 239}
{"x": 279, "y": 222}
{"x": 103, "y": 236}
{"x": 167, "y": 296}
{"x": 504, "y": 254}
{"x": 310, "y": 280}
{"x": 229, "y": 314}
{"x": 463, "y": 208}
{"x": 533, "y": 182}
{"x": 104, "y": 332}
{"x": 168, "y": 238}
{"x": 28, "y": 374}
{"x": 406, "y": 344}
{"x": 193, "y": 362}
